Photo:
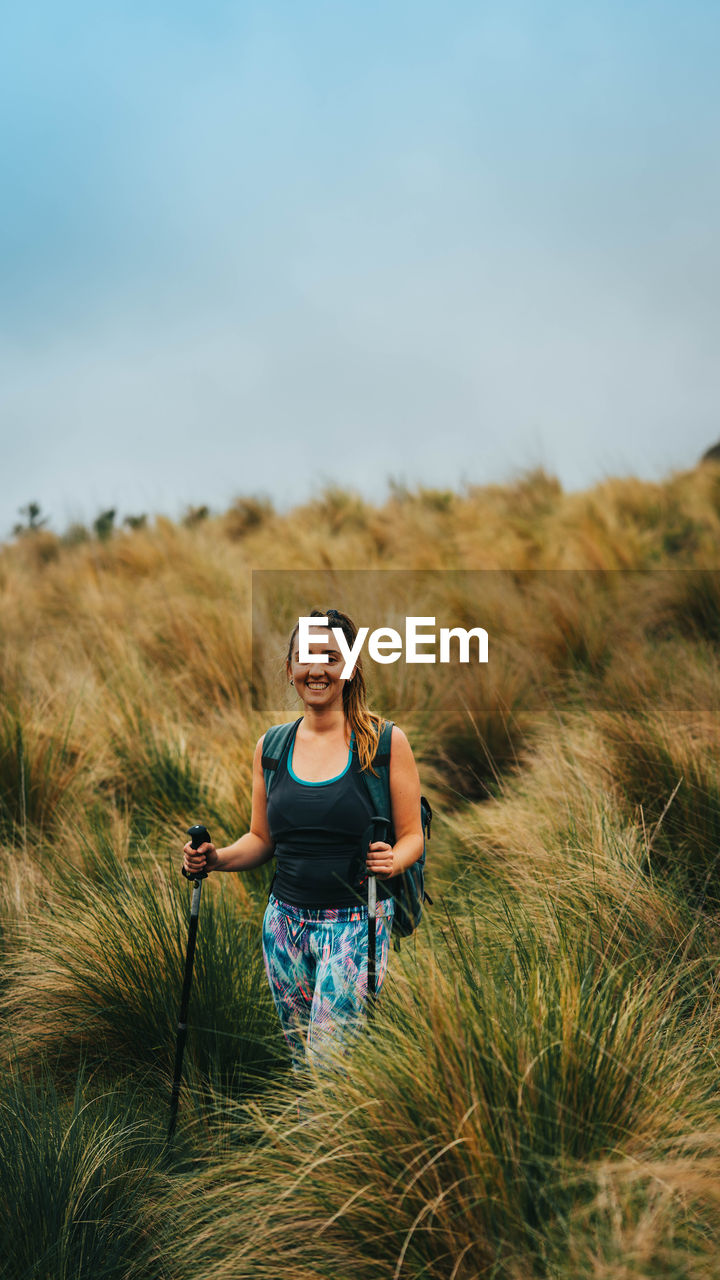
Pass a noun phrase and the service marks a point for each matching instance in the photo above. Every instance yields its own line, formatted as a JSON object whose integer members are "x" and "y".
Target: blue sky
{"x": 261, "y": 247}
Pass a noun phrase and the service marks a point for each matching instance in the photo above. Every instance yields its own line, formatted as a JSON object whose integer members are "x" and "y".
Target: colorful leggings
{"x": 316, "y": 963}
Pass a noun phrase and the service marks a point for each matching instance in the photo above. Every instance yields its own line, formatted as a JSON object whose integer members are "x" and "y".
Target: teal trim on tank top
{"x": 326, "y": 781}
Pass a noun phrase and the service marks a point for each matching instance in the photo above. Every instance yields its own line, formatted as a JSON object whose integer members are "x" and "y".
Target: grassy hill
{"x": 539, "y": 1093}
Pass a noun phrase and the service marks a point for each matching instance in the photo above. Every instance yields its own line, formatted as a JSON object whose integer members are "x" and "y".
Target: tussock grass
{"x": 471, "y": 1125}
{"x": 99, "y": 977}
{"x": 478, "y": 728}
{"x": 158, "y": 774}
{"x": 24, "y": 885}
{"x": 80, "y": 1174}
{"x": 39, "y": 767}
{"x": 668, "y": 771}
{"x": 687, "y": 603}
{"x": 538, "y": 1094}
{"x": 647, "y": 1218}
{"x": 562, "y": 832}
{"x": 161, "y": 772}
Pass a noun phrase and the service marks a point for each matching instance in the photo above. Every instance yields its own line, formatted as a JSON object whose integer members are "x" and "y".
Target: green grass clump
{"x": 158, "y": 778}
{"x": 99, "y": 975}
{"x": 80, "y": 1174}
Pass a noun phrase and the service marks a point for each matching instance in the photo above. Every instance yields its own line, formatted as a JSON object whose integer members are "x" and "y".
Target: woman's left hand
{"x": 380, "y": 860}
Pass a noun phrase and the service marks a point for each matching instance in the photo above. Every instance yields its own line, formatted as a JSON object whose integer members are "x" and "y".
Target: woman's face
{"x": 318, "y": 683}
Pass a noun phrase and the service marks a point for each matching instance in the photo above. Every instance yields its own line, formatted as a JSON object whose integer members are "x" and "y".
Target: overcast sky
{"x": 257, "y": 247}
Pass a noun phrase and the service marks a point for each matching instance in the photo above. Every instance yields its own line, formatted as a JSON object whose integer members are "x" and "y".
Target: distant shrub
{"x": 245, "y": 515}
{"x": 195, "y": 515}
{"x": 681, "y": 535}
{"x": 536, "y": 493}
{"x": 33, "y": 519}
{"x": 104, "y": 524}
{"x": 665, "y": 512}
{"x": 136, "y": 522}
{"x": 441, "y": 500}
{"x": 713, "y": 486}
{"x": 75, "y": 534}
{"x": 337, "y": 510}
{"x": 399, "y": 491}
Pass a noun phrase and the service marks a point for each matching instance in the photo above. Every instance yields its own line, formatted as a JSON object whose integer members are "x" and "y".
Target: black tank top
{"x": 317, "y": 828}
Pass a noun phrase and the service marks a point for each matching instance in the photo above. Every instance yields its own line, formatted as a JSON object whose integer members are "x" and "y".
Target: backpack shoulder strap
{"x": 378, "y": 784}
{"x": 276, "y": 744}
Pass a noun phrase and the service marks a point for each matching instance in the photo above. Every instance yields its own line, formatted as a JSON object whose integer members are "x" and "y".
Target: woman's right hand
{"x": 205, "y": 858}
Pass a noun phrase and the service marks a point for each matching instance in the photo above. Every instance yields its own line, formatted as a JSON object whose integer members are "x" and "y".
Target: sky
{"x": 259, "y": 248}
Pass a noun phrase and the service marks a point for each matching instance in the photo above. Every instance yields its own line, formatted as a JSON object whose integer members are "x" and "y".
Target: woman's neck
{"x": 324, "y": 722}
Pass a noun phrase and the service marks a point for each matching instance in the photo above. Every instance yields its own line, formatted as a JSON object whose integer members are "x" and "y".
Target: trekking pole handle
{"x": 198, "y": 835}
{"x": 370, "y": 834}
{"x": 376, "y": 818}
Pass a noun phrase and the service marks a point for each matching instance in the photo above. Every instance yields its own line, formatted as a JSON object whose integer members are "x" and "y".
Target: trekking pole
{"x": 198, "y": 835}
{"x": 372, "y": 914}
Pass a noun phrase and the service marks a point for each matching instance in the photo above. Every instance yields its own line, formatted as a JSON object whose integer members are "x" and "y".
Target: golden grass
{"x": 539, "y": 1093}
{"x": 479, "y": 1119}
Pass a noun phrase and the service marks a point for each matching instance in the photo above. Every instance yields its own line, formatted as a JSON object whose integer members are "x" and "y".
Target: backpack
{"x": 408, "y": 887}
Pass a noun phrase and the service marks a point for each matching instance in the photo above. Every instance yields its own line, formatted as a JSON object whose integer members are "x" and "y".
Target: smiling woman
{"x": 317, "y": 928}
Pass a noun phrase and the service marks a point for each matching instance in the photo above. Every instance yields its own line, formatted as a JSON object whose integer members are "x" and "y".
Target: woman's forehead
{"x": 320, "y": 642}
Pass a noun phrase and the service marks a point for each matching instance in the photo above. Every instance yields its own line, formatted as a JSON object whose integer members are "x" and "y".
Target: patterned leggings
{"x": 316, "y": 963}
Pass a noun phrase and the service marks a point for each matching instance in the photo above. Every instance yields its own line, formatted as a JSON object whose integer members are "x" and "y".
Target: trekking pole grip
{"x": 382, "y": 822}
{"x": 198, "y": 835}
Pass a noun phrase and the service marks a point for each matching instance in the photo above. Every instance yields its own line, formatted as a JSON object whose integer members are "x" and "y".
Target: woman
{"x": 315, "y": 930}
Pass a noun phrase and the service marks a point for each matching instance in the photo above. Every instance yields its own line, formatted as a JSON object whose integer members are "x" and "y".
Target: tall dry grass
{"x": 538, "y": 1094}
{"x": 476, "y": 1122}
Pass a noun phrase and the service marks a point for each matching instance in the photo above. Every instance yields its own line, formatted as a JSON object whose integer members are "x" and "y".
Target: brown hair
{"x": 364, "y": 723}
